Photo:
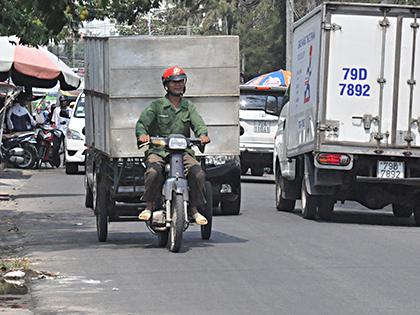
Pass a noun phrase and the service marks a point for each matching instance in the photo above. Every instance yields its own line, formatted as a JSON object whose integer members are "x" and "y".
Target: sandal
{"x": 145, "y": 215}
{"x": 199, "y": 219}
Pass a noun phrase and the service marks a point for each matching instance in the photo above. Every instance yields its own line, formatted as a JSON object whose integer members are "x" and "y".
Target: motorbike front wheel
{"x": 177, "y": 222}
{"x": 29, "y": 157}
{"x": 207, "y": 211}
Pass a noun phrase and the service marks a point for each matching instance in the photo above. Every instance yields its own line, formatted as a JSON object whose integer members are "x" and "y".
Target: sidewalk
{"x": 11, "y": 240}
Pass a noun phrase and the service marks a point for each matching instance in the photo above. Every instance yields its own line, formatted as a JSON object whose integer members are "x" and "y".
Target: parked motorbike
{"x": 171, "y": 220}
{"x": 19, "y": 149}
{"x": 48, "y": 141}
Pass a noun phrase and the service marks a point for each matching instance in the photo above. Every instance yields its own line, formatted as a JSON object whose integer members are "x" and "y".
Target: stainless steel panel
{"x": 126, "y": 74}
{"x": 133, "y": 52}
{"x": 147, "y": 82}
{"x": 223, "y": 141}
{"x": 214, "y": 110}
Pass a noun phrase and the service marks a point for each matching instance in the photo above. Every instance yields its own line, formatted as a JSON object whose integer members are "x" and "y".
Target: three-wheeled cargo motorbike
{"x": 115, "y": 180}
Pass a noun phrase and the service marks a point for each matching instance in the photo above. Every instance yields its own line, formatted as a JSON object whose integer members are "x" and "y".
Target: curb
{"x": 12, "y": 311}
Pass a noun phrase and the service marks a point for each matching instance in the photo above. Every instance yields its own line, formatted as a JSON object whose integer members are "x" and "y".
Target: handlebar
{"x": 164, "y": 141}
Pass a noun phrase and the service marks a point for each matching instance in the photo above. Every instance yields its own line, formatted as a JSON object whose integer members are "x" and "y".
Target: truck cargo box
{"x": 354, "y": 77}
{"x": 124, "y": 76}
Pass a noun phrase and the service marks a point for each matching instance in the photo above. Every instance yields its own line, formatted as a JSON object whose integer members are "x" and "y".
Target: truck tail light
{"x": 333, "y": 159}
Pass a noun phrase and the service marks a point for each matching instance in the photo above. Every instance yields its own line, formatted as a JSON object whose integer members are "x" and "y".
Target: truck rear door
{"x": 368, "y": 94}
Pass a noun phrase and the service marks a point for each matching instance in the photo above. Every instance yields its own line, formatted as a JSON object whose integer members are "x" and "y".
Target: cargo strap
{"x": 411, "y": 82}
{"x": 381, "y": 80}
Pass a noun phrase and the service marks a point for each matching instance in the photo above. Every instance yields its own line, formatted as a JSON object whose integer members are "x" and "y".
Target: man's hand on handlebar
{"x": 144, "y": 139}
{"x": 205, "y": 139}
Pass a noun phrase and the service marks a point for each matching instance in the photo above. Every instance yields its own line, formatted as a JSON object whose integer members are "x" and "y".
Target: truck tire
{"x": 244, "y": 169}
{"x": 207, "y": 211}
{"x": 88, "y": 194}
{"x": 417, "y": 215}
{"x": 325, "y": 207}
{"x": 177, "y": 222}
{"x": 309, "y": 203}
{"x": 287, "y": 205}
{"x": 231, "y": 207}
{"x": 101, "y": 211}
{"x": 402, "y": 211}
{"x": 72, "y": 168}
{"x": 257, "y": 171}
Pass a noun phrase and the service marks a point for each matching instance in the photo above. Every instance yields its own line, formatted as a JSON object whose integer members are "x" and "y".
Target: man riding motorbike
{"x": 172, "y": 114}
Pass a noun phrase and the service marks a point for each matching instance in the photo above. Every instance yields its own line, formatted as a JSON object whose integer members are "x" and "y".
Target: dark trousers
{"x": 154, "y": 179}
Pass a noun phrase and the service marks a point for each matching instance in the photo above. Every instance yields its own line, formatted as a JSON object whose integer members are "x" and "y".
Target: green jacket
{"x": 160, "y": 119}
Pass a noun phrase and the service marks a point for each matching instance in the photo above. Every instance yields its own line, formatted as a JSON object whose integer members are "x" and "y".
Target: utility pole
{"x": 290, "y": 8}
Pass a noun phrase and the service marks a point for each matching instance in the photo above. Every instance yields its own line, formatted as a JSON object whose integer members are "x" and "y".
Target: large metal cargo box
{"x": 355, "y": 68}
{"x": 123, "y": 76}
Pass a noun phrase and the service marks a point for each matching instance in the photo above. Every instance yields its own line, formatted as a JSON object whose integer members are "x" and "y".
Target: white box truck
{"x": 350, "y": 130}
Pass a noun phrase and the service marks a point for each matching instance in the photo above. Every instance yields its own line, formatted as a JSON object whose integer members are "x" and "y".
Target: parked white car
{"x": 74, "y": 139}
{"x": 258, "y": 126}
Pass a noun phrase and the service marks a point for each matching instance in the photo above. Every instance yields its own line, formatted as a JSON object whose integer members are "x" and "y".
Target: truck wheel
{"x": 231, "y": 207}
{"x": 88, "y": 194}
{"x": 101, "y": 211}
{"x": 207, "y": 211}
{"x": 177, "y": 222}
{"x": 257, "y": 171}
{"x": 72, "y": 168}
{"x": 309, "y": 203}
{"x": 244, "y": 169}
{"x": 282, "y": 204}
{"x": 326, "y": 207}
{"x": 402, "y": 211}
{"x": 417, "y": 215}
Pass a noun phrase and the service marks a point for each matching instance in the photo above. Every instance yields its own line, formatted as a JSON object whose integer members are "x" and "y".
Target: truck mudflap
{"x": 312, "y": 182}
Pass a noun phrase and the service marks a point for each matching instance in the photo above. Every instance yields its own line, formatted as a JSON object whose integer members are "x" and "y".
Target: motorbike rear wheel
{"x": 177, "y": 222}
{"x": 29, "y": 155}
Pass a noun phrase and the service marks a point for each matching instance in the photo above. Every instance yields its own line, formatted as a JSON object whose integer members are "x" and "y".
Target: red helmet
{"x": 173, "y": 74}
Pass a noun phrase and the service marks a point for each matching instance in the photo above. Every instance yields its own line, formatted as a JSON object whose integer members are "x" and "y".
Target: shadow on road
{"x": 265, "y": 179}
{"x": 367, "y": 217}
{"x": 24, "y": 196}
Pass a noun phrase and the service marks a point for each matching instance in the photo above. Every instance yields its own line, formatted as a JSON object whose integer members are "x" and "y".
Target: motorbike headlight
{"x": 218, "y": 159}
{"x": 177, "y": 143}
{"x": 73, "y": 134}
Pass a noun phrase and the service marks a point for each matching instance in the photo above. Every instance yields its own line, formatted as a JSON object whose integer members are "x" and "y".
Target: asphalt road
{"x": 259, "y": 262}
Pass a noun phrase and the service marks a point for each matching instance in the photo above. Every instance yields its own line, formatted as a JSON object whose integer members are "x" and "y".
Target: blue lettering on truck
{"x": 354, "y": 89}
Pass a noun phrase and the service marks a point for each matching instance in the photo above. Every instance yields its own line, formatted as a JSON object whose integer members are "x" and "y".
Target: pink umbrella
{"x": 34, "y": 67}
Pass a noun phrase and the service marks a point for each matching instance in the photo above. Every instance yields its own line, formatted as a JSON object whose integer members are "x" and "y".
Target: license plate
{"x": 387, "y": 169}
{"x": 261, "y": 126}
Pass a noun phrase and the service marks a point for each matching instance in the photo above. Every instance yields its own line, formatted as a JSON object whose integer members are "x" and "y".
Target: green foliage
{"x": 260, "y": 26}
{"x": 141, "y": 25}
{"x": 262, "y": 34}
{"x": 36, "y": 22}
{"x": 14, "y": 263}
